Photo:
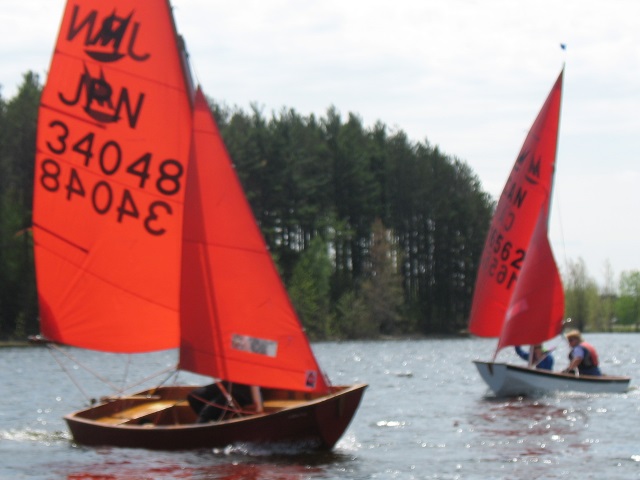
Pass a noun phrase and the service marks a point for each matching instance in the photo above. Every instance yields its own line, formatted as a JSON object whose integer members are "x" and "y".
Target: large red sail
{"x": 114, "y": 131}
{"x": 237, "y": 321}
{"x": 536, "y": 311}
{"x": 526, "y": 194}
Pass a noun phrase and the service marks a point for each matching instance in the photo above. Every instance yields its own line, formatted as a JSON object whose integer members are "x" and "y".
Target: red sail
{"x": 526, "y": 194}
{"x": 536, "y": 310}
{"x": 114, "y": 131}
{"x": 237, "y": 321}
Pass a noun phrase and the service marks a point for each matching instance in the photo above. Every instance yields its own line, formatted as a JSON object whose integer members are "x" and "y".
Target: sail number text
{"x": 502, "y": 260}
{"x": 106, "y": 159}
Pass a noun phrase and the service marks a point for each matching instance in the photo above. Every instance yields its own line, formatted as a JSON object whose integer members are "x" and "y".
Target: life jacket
{"x": 590, "y": 359}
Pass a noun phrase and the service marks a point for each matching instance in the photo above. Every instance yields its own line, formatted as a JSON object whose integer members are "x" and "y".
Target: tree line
{"x": 613, "y": 306}
{"x": 373, "y": 234}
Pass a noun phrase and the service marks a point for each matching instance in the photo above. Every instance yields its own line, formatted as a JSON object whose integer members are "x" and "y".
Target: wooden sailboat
{"x": 518, "y": 295}
{"x": 144, "y": 241}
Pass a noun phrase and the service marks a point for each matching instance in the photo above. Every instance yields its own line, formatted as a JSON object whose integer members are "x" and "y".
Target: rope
{"x": 226, "y": 408}
{"x": 53, "y": 349}
{"x": 80, "y": 364}
{"x": 126, "y": 371}
{"x": 71, "y": 377}
{"x": 150, "y": 377}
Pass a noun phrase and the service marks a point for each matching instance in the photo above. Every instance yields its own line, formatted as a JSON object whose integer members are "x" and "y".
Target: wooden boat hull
{"x": 161, "y": 419}
{"x": 511, "y": 380}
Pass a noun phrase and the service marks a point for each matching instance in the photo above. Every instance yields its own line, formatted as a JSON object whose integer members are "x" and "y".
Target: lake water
{"x": 426, "y": 415}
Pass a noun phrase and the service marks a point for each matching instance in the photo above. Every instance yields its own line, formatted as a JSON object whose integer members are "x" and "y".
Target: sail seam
{"x": 59, "y": 237}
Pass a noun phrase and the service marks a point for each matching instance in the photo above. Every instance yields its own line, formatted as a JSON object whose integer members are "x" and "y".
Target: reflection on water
{"x": 242, "y": 462}
{"x": 535, "y": 417}
{"x": 530, "y": 428}
{"x": 220, "y": 471}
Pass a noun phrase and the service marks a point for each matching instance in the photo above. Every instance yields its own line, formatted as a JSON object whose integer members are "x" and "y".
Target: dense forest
{"x": 374, "y": 234}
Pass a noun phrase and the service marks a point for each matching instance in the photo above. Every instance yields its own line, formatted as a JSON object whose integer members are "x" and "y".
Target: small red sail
{"x": 237, "y": 320}
{"x": 114, "y": 131}
{"x": 536, "y": 310}
{"x": 526, "y": 194}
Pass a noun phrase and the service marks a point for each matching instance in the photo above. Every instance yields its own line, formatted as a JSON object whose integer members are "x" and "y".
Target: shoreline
{"x": 27, "y": 343}
{"x": 16, "y": 343}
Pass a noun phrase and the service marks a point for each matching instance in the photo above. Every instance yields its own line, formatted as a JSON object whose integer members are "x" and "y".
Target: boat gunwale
{"x": 338, "y": 390}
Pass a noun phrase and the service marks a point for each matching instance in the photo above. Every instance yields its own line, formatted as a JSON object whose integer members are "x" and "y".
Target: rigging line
{"x": 189, "y": 66}
{"x": 85, "y": 367}
{"x": 227, "y": 408}
{"x": 171, "y": 369}
{"x": 126, "y": 372}
{"x": 194, "y": 70}
{"x": 564, "y": 248}
{"x": 558, "y": 341}
{"x": 69, "y": 374}
{"x": 556, "y": 204}
{"x": 174, "y": 372}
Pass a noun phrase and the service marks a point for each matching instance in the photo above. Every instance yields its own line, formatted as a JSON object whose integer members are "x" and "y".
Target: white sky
{"x": 468, "y": 75}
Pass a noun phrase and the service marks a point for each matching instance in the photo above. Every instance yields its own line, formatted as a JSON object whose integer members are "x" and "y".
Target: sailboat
{"x": 144, "y": 241}
{"x": 518, "y": 294}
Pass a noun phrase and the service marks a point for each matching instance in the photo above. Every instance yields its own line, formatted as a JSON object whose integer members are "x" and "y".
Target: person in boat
{"x": 583, "y": 356}
{"x": 219, "y": 400}
{"x": 542, "y": 357}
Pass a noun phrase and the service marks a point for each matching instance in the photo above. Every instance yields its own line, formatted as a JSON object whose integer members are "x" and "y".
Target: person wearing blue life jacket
{"x": 542, "y": 358}
{"x": 583, "y": 357}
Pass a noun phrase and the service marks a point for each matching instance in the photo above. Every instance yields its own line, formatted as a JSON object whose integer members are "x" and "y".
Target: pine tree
{"x": 382, "y": 289}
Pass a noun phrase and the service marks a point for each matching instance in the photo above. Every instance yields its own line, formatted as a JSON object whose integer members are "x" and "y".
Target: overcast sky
{"x": 467, "y": 75}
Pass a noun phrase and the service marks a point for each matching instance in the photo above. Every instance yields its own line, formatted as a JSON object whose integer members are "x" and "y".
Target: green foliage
{"x": 306, "y": 177}
{"x": 628, "y": 304}
{"x": 17, "y": 151}
{"x": 382, "y": 288}
{"x": 309, "y": 289}
{"x": 353, "y": 318}
{"x": 582, "y": 301}
{"x": 590, "y": 309}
